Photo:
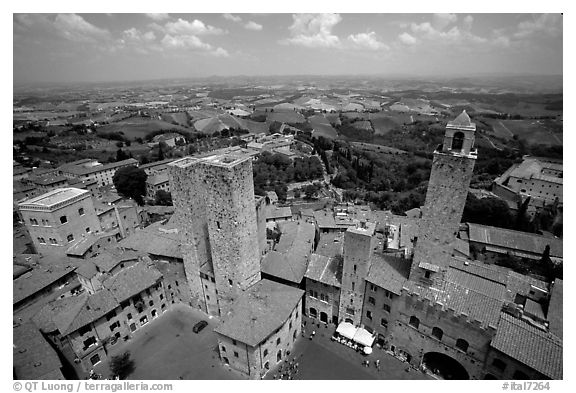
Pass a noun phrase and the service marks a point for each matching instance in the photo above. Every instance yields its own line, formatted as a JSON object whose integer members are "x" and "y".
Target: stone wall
{"x": 314, "y": 292}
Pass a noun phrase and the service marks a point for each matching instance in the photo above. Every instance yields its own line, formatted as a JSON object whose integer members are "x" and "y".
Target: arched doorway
{"x": 444, "y": 366}
{"x": 323, "y": 317}
{"x": 313, "y": 312}
{"x": 349, "y": 320}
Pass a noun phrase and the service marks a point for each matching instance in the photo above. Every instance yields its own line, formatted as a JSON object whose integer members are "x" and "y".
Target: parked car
{"x": 199, "y": 326}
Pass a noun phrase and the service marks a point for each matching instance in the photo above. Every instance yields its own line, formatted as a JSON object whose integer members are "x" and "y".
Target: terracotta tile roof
{"x": 155, "y": 242}
{"x": 132, "y": 280}
{"x": 39, "y": 278}
{"x": 520, "y": 284}
{"x": 466, "y": 293}
{"x": 325, "y": 270}
{"x": 274, "y": 212}
{"x": 259, "y": 311}
{"x": 330, "y": 244}
{"x": 388, "y": 272}
{"x": 113, "y": 256}
{"x": 515, "y": 240}
{"x": 290, "y": 259}
{"x": 489, "y": 272}
{"x": 33, "y": 357}
{"x": 535, "y": 348}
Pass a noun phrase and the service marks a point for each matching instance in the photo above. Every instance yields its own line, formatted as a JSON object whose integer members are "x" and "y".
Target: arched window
{"x": 279, "y": 356}
{"x": 437, "y": 333}
{"x": 462, "y": 345}
{"x": 458, "y": 141}
{"x": 414, "y": 322}
{"x": 265, "y": 352}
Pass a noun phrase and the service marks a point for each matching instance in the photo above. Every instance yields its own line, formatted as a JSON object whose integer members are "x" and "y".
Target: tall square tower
{"x": 450, "y": 177}
{"x": 358, "y": 246}
{"x": 214, "y": 197}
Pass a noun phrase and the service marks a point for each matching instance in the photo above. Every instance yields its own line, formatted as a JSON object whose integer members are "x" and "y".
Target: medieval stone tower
{"x": 445, "y": 199}
{"x": 214, "y": 200}
{"x": 358, "y": 245}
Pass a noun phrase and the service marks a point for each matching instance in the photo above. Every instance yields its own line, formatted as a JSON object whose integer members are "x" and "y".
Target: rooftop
{"x": 155, "y": 241}
{"x": 259, "y": 311}
{"x": 132, "y": 280}
{"x": 535, "y": 348}
{"x": 39, "y": 278}
{"x": 33, "y": 357}
{"x": 227, "y": 160}
{"x": 516, "y": 240}
{"x": 462, "y": 122}
{"x": 88, "y": 166}
{"x": 325, "y": 270}
{"x": 290, "y": 258}
{"x": 388, "y": 272}
{"x": 273, "y": 212}
{"x": 54, "y": 198}
{"x": 532, "y": 167}
{"x": 158, "y": 178}
{"x": 555, "y": 313}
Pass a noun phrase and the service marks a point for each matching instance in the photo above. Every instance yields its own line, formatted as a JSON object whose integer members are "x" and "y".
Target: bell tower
{"x": 450, "y": 177}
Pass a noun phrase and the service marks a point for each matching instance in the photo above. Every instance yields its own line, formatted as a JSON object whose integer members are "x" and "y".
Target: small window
{"x": 63, "y": 220}
{"x": 41, "y": 240}
{"x": 176, "y": 282}
{"x": 462, "y": 345}
{"x": 89, "y": 342}
{"x": 354, "y": 268}
{"x": 70, "y": 237}
{"x": 437, "y": 333}
{"x": 223, "y": 348}
{"x": 144, "y": 320}
{"x": 414, "y": 322}
{"x": 369, "y": 314}
{"x": 386, "y": 307}
{"x": 151, "y": 303}
{"x": 353, "y": 285}
{"x": 278, "y": 341}
{"x": 218, "y": 224}
{"x": 373, "y": 288}
{"x": 161, "y": 296}
{"x": 87, "y": 229}
{"x": 53, "y": 241}
{"x": 234, "y": 342}
{"x": 94, "y": 360}
{"x": 427, "y": 274}
{"x": 371, "y": 300}
{"x": 236, "y": 354}
{"x": 229, "y": 282}
{"x": 384, "y": 323}
{"x": 207, "y": 297}
{"x": 81, "y": 211}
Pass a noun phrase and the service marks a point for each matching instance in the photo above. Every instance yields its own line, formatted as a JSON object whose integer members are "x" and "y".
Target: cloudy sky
{"x": 108, "y": 47}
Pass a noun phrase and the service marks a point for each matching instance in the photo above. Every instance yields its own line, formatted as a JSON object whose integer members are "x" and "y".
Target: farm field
{"x": 322, "y": 127}
{"x": 532, "y": 131}
{"x": 363, "y": 125}
{"x": 179, "y": 117}
{"x": 135, "y": 127}
{"x": 286, "y": 117}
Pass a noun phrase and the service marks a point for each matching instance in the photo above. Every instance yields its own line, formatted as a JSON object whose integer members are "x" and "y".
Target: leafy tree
{"x": 130, "y": 181}
{"x": 122, "y": 365}
{"x": 121, "y": 155}
{"x": 487, "y": 211}
{"x": 310, "y": 190}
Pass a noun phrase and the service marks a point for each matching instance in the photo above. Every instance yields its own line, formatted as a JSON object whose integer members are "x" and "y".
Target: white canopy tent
{"x": 346, "y": 329}
{"x": 363, "y": 337}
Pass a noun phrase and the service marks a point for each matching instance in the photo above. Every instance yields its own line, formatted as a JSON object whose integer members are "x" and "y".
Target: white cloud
{"x": 136, "y": 35}
{"x": 314, "y": 30}
{"x": 232, "y": 18}
{"x": 74, "y": 28}
{"x": 184, "y": 27}
{"x": 441, "y": 21}
{"x": 158, "y": 17}
{"x": 367, "y": 41}
{"x": 407, "y": 39}
{"x": 502, "y": 41}
{"x": 427, "y": 31}
{"x": 253, "y": 26}
{"x": 550, "y": 24}
{"x": 193, "y": 43}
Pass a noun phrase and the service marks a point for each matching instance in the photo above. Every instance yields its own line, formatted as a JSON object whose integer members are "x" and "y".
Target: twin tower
{"x": 217, "y": 215}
